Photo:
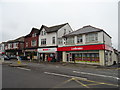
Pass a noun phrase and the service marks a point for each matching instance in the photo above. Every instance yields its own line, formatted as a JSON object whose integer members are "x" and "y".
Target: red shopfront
{"x": 86, "y": 53}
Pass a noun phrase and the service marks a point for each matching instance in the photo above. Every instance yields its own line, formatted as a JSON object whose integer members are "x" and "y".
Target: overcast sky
{"x": 19, "y": 16}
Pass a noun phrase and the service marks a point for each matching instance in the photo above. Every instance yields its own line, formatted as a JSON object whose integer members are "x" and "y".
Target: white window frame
{"x": 79, "y": 39}
{"x": 70, "y": 40}
{"x": 26, "y": 44}
{"x": 43, "y": 41}
{"x": 53, "y": 40}
{"x": 33, "y": 43}
{"x": 92, "y": 37}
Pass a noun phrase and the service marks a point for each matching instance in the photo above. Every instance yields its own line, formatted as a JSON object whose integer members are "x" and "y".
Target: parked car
{"x": 12, "y": 57}
{"x": 5, "y": 57}
{"x": 23, "y": 58}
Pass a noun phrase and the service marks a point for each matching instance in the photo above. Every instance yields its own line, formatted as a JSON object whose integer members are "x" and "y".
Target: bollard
{"x": 19, "y": 61}
{"x": 2, "y": 59}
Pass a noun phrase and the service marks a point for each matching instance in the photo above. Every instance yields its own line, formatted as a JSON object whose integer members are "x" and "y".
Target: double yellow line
{"x": 84, "y": 85}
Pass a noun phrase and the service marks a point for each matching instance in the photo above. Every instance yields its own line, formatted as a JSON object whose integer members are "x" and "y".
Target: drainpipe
{"x": 104, "y": 49}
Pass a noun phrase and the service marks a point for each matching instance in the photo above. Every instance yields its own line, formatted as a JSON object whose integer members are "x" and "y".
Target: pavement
{"x": 67, "y": 64}
{"x": 77, "y": 65}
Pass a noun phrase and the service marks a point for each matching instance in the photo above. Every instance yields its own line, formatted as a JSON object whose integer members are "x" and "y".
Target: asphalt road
{"x": 39, "y": 75}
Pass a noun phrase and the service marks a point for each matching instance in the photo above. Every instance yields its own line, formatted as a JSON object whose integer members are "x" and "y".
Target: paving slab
{"x": 6, "y": 62}
{"x": 18, "y": 65}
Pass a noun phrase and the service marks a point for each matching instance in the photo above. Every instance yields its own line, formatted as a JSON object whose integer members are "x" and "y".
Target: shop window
{"x": 79, "y": 39}
{"x": 110, "y": 56}
{"x": 43, "y": 41}
{"x": 106, "y": 56}
{"x": 53, "y": 40}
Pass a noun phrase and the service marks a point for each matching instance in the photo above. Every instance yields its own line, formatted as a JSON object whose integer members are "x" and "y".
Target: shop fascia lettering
{"x": 77, "y": 48}
{"x": 47, "y": 50}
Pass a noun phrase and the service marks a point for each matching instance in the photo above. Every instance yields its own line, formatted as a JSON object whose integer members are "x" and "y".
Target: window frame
{"x": 79, "y": 39}
{"x": 43, "y": 41}
{"x": 91, "y": 37}
{"x": 53, "y": 40}
{"x": 33, "y": 43}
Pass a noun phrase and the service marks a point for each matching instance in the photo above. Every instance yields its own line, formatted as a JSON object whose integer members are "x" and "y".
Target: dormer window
{"x": 64, "y": 31}
{"x": 43, "y": 33}
{"x": 34, "y": 35}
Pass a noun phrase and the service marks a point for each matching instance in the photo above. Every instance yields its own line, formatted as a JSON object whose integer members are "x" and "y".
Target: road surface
{"x": 40, "y": 75}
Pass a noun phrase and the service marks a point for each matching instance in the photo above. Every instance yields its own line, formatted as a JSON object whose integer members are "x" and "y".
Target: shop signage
{"x": 85, "y": 47}
{"x": 76, "y": 48}
{"x": 31, "y": 50}
{"x": 47, "y": 50}
{"x": 108, "y": 48}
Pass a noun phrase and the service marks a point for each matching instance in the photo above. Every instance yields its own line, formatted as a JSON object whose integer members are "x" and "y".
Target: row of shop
{"x": 97, "y": 54}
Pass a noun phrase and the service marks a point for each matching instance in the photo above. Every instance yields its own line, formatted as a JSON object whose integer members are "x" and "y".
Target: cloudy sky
{"x": 19, "y": 16}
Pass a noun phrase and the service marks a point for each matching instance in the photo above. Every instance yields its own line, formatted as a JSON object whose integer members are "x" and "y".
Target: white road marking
{"x": 57, "y": 66}
{"x": 96, "y": 75}
{"x": 56, "y": 74}
{"x": 24, "y": 68}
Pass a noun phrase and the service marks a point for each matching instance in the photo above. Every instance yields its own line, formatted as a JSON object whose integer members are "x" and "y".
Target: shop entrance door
{"x": 73, "y": 57}
{"x": 67, "y": 57}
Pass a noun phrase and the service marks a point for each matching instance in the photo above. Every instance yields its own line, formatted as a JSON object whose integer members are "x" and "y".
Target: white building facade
{"x": 87, "y": 45}
{"x": 48, "y": 41}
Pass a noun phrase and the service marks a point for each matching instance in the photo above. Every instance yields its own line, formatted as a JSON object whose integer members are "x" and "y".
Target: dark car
{"x": 5, "y": 57}
{"x": 23, "y": 58}
{"x": 12, "y": 57}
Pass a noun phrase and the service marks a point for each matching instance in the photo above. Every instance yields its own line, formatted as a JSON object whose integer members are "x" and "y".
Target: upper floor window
{"x": 64, "y": 31}
{"x": 60, "y": 42}
{"x": 11, "y": 45}
{"x": 34, "y": 35}
{"x": 79, "y": 39}
{"x": 43, "y": 33}
{"x": 33, "y": 43}
{"x": 8, "y": 46}
{"x": 15, "y": 45}
{"x": 53, "y": 40}
{"x": 92, "y": 37}
{"x": 70, "y": 40}
{"x": 26, "y": 44}
{"x": 43, "y": 41}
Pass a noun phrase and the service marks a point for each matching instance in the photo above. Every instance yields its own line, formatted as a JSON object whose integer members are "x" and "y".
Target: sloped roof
{"x": 84, "y": 30}
{"x": 53, "y": 28}
{"x": 33, "y": 30}
{"x": 20, "y": 39}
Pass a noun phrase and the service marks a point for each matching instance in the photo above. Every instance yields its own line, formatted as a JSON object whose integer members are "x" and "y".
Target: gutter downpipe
{"x": 104, "y": 49}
